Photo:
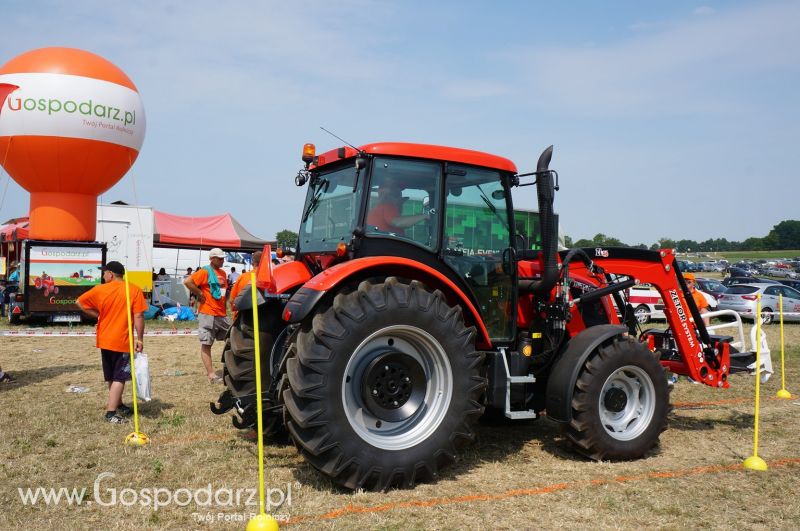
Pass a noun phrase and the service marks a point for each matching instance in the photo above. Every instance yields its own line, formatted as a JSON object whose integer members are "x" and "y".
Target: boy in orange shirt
{"x": 242, "y": 281}
{"x": 108, "y": 304}
{"x": 212, "y": 323}
{"x": 699, "y": 299}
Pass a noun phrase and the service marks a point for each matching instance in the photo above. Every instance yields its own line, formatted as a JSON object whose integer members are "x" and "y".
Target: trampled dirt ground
{"x": 516, "y": 476}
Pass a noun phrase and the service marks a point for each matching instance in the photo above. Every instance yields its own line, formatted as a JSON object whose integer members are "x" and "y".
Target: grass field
{"x": 516, "y": 476}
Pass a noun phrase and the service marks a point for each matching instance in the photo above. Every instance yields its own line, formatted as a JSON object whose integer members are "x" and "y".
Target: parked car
{"x": 781, "y": 272}
{"x": 710, "y": 286}
{"x": 648, "y": 305}
{"x": 732, "y": 281}
{"x": 791, "y": 283}
{"x": 712, "y": 266}
{"x": 739, "y": 272}
{"x": 742, "y": 269}
{"x": 743, "y": 299}
{"x": 688, "y": 267}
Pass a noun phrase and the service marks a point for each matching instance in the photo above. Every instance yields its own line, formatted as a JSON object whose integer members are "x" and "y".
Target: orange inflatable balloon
{"x": 71, "y": 125}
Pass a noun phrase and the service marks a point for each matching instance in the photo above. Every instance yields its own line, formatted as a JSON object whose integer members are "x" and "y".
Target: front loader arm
{"x": 700, "y": 358}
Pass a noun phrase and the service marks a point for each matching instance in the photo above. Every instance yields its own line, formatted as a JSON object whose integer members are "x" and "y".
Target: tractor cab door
{"x": 476, "y": 241}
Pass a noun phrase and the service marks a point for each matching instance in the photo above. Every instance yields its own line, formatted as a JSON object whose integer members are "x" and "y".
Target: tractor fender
{"x": 285, "y": 278}
{"x": 308, "y": 297}
{"x": 562, "y": 378}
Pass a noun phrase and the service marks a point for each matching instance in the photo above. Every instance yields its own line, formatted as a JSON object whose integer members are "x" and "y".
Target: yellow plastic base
{"x": 137, "y": 439}
{"x": 783, "y": 393}
{"x": 262, "y": 522}
{"x": 755, "y": 463}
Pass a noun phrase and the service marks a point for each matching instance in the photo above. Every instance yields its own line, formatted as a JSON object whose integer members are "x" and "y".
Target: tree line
{"x": 784, "y": 235}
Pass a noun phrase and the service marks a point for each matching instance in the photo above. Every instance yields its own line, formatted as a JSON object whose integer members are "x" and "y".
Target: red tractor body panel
{"x": 424, "y": 151}
{"x": 289, "y": 275}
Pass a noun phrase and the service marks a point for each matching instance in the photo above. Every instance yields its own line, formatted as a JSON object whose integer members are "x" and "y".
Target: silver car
{"x": 781, "y": 272}
{"x": 743, "y": 299}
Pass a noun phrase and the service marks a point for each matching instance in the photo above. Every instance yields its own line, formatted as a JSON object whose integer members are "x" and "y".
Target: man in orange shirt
{"x": 385, "y": 214}
{"x": 108, "y": 304}
{"x": 242, "y": 281}
{"x": 208, "y": 285}
{"x": 699, "y": 298}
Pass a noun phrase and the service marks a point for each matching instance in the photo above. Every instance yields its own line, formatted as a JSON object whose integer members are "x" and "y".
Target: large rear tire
{"x": 383, "y": 387}
{"x": 620, "y": 402}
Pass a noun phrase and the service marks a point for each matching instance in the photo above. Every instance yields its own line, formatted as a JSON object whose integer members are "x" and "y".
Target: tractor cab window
{"x": 477, "y": 231}
{"x": 330, "y": 211}
{"x": 403, "y": 196}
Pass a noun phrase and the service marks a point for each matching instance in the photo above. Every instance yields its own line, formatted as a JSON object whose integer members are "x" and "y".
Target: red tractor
{"x": 45, "y": 282}
{"x": 413, "y": 307}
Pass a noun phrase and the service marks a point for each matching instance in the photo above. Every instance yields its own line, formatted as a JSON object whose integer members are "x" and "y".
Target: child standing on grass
{"x": 108, "y": 304}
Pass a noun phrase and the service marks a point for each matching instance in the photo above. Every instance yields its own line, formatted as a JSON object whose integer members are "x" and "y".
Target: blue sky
{"x": 672, "y": 119}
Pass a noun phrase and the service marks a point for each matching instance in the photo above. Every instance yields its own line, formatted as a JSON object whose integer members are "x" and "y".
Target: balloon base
{"x": 137, "y": 438}
{"x": 755, "y": 463}
{"x": 783, "y": 393}
{"x": 262, "y": 522}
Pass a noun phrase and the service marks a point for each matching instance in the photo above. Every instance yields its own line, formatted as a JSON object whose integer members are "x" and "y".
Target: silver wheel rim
{"x": 641, "y": 314}
{"x": 416, "y": 344}
{"x": 627, "y": 403}
{"x": 766, "y": 316}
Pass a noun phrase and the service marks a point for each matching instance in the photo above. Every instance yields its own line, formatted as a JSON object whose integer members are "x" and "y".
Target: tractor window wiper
{"x": 314, "y": 203}
{"x": 492, "y": 207}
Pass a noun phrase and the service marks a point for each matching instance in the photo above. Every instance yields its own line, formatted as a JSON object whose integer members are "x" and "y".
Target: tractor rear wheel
{"x": 383, "y": 387}
{"x": 620, "y": 402}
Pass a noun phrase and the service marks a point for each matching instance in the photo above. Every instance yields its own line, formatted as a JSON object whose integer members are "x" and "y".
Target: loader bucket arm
{"x": 700, "y": 359}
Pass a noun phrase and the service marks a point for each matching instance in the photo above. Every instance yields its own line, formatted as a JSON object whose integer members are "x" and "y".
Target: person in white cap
{"x": 208, "y": 285}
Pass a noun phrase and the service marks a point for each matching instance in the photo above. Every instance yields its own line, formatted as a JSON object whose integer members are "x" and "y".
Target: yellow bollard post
{"x": 136, "y": 438}
{"x": 262, "y": 521}
{"x": 782, "y": 393}
{"x": 754, "y": 462}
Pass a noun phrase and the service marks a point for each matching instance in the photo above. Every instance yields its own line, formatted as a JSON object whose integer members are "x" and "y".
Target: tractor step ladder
{"x": 513, "y": 380}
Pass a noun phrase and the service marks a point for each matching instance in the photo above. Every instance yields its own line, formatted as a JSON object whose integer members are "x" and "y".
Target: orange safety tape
{"x": 361, "y": 509}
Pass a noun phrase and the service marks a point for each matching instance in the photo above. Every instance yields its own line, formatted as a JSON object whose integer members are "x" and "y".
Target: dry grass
{"x": 517, "y": 476}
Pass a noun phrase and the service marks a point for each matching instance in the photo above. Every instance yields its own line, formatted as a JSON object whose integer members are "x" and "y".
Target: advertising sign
{"x": 58, "y": 275}
{"x": 45, "y": 104}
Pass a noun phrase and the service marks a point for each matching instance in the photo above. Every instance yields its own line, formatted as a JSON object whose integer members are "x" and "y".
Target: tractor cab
{"x": 447, "y": 208}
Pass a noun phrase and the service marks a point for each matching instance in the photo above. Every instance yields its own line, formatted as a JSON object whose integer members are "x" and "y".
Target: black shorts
{"x": 116, "y": 365}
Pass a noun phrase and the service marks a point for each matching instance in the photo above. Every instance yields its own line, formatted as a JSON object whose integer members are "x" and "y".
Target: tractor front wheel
{"x": 383, "y": 386}
{"x": 620, "y": 402}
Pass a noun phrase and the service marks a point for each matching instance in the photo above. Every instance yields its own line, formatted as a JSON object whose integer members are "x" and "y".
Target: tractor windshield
{"x": 330, "y": 211}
